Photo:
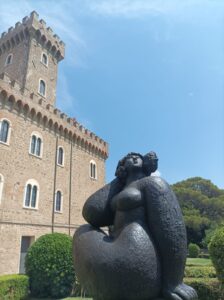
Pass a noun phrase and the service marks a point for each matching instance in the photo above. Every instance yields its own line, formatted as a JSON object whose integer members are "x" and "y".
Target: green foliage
{"x": 202, "y": 204}
{"x": 207, "y": 289}
{"x": 193, "y": 250}
{"x": 204, "y": 186}
{"x": 216, "y": 250}
{"x": 209, "y": 234}
{"x": 14, "y": 287}
{"x": 49, "y": 265}
{"x": 198, "y": 262}
{"x": 200, "y": 272}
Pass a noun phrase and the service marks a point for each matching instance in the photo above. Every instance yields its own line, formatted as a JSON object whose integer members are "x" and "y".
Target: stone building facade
{"x": 49, "y": 163}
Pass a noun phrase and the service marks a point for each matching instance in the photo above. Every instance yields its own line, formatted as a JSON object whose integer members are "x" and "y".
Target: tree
{"x": 202, "y": 204}
{"x": 204, "y": 186}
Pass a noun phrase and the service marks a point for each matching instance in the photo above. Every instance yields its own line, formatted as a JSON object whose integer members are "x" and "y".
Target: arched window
{"x": 31, "y": 194}
{"x": 93, "y": 169}
{"x": 58, "y": 202}
{"x": 1, "y": 186}
{"x": 42, "y": 88}
{"x": 44, "y": 59}
{"x": 36, "y": 144}
{"x": 8, "y": 60}
{"x": 60, "y": 159}
{"x": 4, "y": 131}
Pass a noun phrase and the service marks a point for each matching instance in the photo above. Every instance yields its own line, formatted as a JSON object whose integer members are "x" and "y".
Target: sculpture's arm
{"x": 97, "y": 209}
{"x": 168, "y": 230}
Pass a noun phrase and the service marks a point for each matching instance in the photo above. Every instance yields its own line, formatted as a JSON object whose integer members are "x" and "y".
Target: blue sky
{"x": 143, "y": 75}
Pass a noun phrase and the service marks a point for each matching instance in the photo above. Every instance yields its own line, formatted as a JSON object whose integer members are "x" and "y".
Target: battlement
{"x": 34, "y": 106}
{"x": 33, "y": 27}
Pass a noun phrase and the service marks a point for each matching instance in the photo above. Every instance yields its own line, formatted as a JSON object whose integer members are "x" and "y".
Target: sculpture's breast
{"x": 128, "y": 198}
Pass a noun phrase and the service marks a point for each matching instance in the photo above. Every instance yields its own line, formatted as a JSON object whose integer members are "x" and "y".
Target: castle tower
{"x": 49, "y": 163}
{"x": 29, "y": 55}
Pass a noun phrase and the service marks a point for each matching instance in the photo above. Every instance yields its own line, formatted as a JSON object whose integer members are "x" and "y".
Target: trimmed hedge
{"x": 207, "y": 289}
{"x": 14, "y": 287}
{"x": 216, "y": 250}
{"x": 199, "y": 272}
{"x": 193, "y": 250}
{"x": 204, "y": 255}
{"x": 49, "y": 265}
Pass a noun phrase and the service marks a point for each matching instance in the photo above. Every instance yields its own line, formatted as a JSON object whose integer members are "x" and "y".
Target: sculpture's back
{"x": 144, "y": 255}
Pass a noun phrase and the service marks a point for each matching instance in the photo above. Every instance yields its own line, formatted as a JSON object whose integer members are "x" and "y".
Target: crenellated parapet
{"x": 33, "y": 27}
{"x": 36, "y": 108}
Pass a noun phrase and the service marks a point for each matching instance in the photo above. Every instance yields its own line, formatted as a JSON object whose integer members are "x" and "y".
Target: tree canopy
{"x": 202, "y": 205}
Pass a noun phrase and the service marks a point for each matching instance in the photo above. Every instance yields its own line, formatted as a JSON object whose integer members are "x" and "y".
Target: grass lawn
{"x": 77, "y": 298}
{"x": 69, "y": 298}
{"x": 198, "y": 262}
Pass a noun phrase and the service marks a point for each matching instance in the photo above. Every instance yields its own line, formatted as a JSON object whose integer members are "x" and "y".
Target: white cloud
{"x": 138, "y": 8}
{"x": 156, "y": 173}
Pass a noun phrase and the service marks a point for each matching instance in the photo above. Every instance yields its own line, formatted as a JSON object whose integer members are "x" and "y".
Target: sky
{"x": 143, "y": 75}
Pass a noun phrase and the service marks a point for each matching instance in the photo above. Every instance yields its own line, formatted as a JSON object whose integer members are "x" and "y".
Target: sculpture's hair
{"x": 121, "y": 172}
{"x": 150, "y": 163}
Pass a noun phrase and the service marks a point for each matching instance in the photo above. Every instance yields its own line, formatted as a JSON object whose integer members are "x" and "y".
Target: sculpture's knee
{"x": 83, "y": 229}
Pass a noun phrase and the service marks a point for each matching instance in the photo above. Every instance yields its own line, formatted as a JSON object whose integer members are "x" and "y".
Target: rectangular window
{"x": 38, "y": 147}
{"x": 33, "y": 144}
{"x": 34, "y": 196}
{"x": 28, "y": 194}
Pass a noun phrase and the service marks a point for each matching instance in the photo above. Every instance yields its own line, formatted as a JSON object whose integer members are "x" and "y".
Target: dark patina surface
{"x": 143, "y": 256}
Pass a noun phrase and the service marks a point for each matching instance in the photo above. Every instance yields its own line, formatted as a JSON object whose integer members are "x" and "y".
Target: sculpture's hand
{"x": 180, "y": 292}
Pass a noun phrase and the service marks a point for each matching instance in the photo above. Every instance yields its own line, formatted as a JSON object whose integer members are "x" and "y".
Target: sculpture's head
{"x": 150, "y": 163}
{"x": 136, "y": 161}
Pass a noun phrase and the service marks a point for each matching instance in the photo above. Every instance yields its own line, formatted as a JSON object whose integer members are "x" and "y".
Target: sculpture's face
{"x": 133, "y": 162}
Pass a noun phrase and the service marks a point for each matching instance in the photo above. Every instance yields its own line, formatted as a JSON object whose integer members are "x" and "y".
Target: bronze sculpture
{"x": 143, "y": 256}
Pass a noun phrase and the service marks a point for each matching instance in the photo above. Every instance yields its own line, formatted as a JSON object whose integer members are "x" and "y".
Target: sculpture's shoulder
{"x": 154, "y": 184}
{"x": 157, "y": 191}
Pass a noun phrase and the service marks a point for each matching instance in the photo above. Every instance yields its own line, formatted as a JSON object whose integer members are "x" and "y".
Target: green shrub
{"x": 49, "y": 265}
{"x": 208, "y": 235}
{"x": 14, "y": 287}
{"x": 204, "y": 255}
{"x": 200, "y": 272}
{"x": 207, "y": 289}
{"x": 193, "y": 250}
{"x": 79, "y": 291}
{"x": 216, "y": 250}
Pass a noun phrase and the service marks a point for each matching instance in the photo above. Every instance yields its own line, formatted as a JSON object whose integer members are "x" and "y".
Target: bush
{"x": 208, "y": 236}
{"x": 207, "y": 289}
{"x": 79, "y": 291}
{"x": 14, "y": 287}
{"x": 204, "y": 255}
{"x": 216, "y": 250}
{"x": 193, "y": 250}
{"x": 49, "y": 265}
{"x": 200, "y": 272}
